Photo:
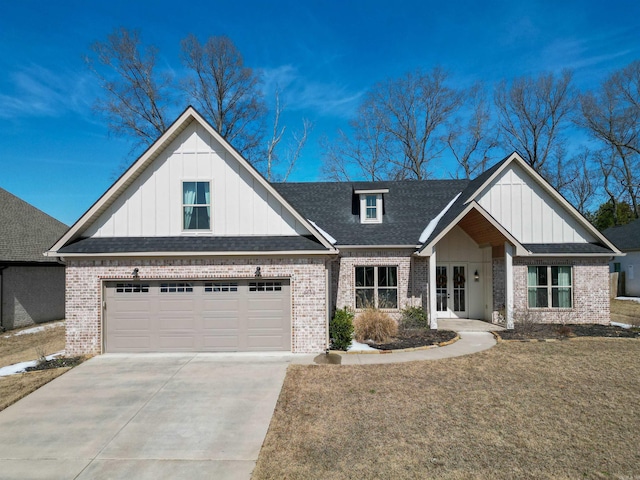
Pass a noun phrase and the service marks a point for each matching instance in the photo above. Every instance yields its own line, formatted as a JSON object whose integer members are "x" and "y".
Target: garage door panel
{"x": 176, "y": 342}
{"x": 221, "y": 341}
{"x": 206, "y": 316}
{"x": 131, "y": 343}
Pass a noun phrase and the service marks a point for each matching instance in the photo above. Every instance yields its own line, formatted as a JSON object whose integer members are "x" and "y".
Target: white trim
{"x": 180, "y": 124}
{"x": 323, "y": 233}
{"x": 426, "y": 233}
{"x": 515, "y": 157}
{"x": 363, "y": 208}
{"x": 210, "y": 205}
{"x": 378, "y": 247}
{"x": 371, "y": 191}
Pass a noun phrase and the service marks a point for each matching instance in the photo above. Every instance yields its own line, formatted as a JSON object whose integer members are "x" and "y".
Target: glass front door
{"x": 451, "y": 290}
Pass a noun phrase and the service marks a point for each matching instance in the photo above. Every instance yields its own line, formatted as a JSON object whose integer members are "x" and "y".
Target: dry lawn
{"x": 625, "y": 311}
{"x": 22, "y": 348}
{"x": 520, "y": 410}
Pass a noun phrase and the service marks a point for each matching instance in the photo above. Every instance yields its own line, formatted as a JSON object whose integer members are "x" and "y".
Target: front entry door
{"x": 451, "y": 290}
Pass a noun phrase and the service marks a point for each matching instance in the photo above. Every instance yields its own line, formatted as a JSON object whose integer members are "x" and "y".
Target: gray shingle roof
{"x": 625, "y": 237}
{"x": 192, "y": 244}
{"x": 567, "y": 248}
{"x": 408, "y": 208}
{"x": 25, "y": 231}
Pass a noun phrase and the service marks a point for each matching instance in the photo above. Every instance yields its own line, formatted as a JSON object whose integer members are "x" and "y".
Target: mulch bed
{"x": 541, "y": 331}
{"x": 55, "y": 363}
{"x": 415, "y": 338}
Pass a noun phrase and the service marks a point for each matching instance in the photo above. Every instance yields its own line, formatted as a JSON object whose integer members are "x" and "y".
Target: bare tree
{"x": 612, "y": 116}
{"x": 582, "y": 182}
{"x": 532, "y": 114}
{"x": 471, "y": 135}
{"x": 226, "y": 91}
{"x": 293, "y": 150}
{"x": 365, "y": 156}
{"x": 398, "y": 129}
{"x": 137, "y": 95}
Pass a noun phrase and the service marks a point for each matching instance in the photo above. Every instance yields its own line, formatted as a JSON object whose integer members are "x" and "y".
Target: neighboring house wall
{"x": 590, "y": 291}
{"x": 529, "y": 212}
{"x": 308, "y": 287}
{"x": 32, "y": 294}
{"x": 630, "y": 265}
{"x": 152, "y": 204}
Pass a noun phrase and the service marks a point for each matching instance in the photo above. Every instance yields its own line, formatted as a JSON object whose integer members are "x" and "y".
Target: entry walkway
{"x": 475, "y": 336}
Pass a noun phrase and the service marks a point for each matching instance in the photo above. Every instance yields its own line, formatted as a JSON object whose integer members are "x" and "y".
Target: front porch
{"x": 468, "y": 325}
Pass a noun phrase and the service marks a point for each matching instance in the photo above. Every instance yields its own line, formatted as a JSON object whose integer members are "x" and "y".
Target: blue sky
{"x": 56, "y": 154}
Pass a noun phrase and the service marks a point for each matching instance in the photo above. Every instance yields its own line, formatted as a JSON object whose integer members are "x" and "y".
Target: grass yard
{"x": 22, "y": 348}
{"x": 625, "y": 311}
{"x": 565, "y": 409}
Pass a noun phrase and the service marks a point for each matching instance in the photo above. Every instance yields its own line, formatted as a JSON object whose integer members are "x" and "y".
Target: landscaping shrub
{"x": 413, "y": 318}
{"x": 372, "y": 324}
{"x": 341, "y": 329}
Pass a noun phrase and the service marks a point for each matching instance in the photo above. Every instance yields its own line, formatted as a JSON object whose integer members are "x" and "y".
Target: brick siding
{"x": 343, "y": 276}
{"x": 84, "y": 292}
{"x": 590, "y": 291}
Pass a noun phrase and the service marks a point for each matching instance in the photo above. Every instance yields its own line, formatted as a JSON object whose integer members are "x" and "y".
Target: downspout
{"x": 327, "y": 306}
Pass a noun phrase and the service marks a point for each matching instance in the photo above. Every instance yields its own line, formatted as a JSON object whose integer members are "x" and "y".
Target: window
{"x": 550, "y": 283}
{"x": 265, "y": 286}
{"x": 371, "y": 208}
{"x": 221, "y": 287}
{"x": 176, "y": 288}
{"x": 377, "y": 287}
{"x": 196, "y": 206}
{"x": 132, "y": 288}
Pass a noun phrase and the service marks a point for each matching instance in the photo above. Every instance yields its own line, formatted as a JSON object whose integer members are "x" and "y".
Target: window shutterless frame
{"x": 376, "y": 287}
{"x": 196, "y": 205}
{"x": 550, "y": 286}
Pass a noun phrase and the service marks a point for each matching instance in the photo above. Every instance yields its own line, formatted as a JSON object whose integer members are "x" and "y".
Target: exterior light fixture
{"x": 135, "y": 273}
{"x": 476, "y": 276}
{"x": 258, "y": 272}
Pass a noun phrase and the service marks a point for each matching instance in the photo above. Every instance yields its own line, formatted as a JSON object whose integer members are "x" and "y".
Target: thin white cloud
{"x": 301, "y": 93}
{"x": 38, "y": 91}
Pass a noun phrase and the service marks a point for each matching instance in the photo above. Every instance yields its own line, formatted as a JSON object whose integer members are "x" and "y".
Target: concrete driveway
{"x": 145, "y": 417}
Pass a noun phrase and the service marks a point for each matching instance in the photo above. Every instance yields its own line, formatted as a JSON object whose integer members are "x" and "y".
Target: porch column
{"x": 508, "y": 284}
{"x": 433, "y": 306}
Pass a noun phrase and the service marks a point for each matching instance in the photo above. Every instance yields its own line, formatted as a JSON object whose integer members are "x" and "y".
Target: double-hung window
{"x": 196, "y": 206}
{"x": 550, "y": 286}
{"x": 377, "y": 287}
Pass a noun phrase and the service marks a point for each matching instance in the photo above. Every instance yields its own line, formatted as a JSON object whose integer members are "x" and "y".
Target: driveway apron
{"x": 145, "y": 417}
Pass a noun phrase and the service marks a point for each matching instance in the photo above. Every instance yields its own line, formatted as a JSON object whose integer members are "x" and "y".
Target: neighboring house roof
{"x": 408, "y": 208}
{"x": 625, "y": 237}
{"x": 175, "y": 245}
{"x": 25, "y": 231}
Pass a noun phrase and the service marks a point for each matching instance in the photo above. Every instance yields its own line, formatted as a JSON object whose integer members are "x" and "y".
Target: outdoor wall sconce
{"x": 258, "y": 272}
{"x": 135, "y": 273}
{"x": 476, "y": 276}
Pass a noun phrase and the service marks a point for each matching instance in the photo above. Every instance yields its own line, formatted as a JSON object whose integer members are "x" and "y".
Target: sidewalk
{"x": 475, "y": 336}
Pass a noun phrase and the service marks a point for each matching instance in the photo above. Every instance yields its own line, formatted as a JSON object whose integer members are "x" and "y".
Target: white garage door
{"x": 197, "y": 316}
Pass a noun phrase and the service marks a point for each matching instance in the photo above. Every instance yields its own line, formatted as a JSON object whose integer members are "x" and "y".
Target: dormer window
{"x": 371, "y": 205}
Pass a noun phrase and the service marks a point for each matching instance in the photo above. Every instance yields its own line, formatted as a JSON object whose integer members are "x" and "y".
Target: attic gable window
{"x": 371, "y": 205}
{"x": 196, "y": 206}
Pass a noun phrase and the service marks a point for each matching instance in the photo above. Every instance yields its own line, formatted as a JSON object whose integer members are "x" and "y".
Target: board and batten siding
{"x": 529, "y": 212}
{"x": 152, "y": 204}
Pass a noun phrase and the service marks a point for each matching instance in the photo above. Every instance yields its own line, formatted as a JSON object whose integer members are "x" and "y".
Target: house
{"x": 627, "y": 239}
{"x": 31, "y": 285}
{"x": 192, "y": 249}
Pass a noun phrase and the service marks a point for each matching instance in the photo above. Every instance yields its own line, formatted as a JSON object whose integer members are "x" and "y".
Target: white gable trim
{"x": 520, "y": 249}
{"x": 514, "y": 157}
{"x": 128, "y": 177}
